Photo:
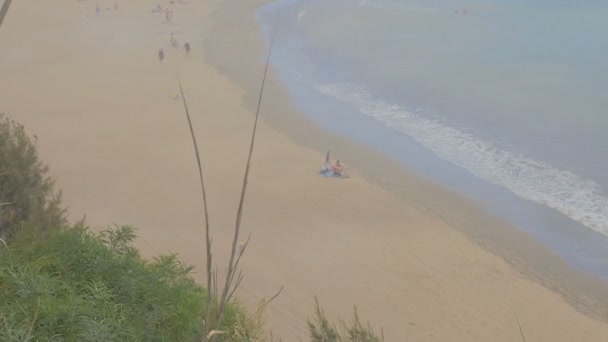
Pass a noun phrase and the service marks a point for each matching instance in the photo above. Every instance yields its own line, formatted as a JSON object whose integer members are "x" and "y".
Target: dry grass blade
{"x": 274, "y": 297}
{"x": 236, "y": 263}
{"x": 239, "y": 279}
{"x": 4, "y": 10}
{"x": 521, "y": 331}
{"x": 209, "y": 255}
{"x": 213, "y": 333}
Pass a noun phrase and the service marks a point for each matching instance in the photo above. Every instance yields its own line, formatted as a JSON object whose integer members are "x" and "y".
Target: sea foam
{"x": 578, "y": 198}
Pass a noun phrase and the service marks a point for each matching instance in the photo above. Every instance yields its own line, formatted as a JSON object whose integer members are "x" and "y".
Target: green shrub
{"x": 26, "y": 191}
{"x": 74, "y": 285}
{"x": 322, "y": 330}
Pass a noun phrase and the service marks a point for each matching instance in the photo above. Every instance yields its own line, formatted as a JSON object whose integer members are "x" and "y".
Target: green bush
{"x": 322, "y": 330}
{"x": 74, "y": 285}
{"x": 27, "y": 196}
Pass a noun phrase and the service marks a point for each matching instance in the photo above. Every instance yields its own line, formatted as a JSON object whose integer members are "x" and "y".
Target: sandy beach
{"x": 415, "y": 259}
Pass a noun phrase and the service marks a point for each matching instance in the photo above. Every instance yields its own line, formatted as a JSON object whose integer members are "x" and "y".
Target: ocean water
{"x": 505, "y": 101}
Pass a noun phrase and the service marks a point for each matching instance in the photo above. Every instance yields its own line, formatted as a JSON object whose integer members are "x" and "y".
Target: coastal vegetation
{"x": 76, "y": 285}
{"x": 67, "y": 282}
{"x": 27, "y": 194}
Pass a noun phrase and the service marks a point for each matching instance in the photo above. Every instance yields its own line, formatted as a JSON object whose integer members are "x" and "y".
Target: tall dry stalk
{"x": 521, "y": 331}
{"x": 4, "y": 10}
{"x": 231, "y": 283}
{"x": 209, "y": 255}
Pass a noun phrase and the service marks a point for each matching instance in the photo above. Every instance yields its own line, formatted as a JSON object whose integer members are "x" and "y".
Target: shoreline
{"x": 579, "y": 288}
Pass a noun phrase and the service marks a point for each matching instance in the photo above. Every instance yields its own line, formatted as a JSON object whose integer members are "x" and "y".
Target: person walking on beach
{"x": 187, "y": 48}
{"x": 173, "y": 41}
{"x": 169, "y": 15}
{"x": 161, "y": 54}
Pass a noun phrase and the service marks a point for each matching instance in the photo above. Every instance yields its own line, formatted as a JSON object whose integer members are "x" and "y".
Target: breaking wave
{"x": 578, "y": 198}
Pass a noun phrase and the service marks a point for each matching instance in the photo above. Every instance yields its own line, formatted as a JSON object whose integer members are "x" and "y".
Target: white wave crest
{"x": 301, "y": 14}
{"x": 574, "y": 196}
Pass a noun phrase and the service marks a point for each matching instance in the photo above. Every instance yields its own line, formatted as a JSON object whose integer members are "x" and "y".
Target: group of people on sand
{"x": 167, "y": 11}
{"x": 98, "y": 7}
{"x": 172, "y": 39}
{"x": 175, "y": 44}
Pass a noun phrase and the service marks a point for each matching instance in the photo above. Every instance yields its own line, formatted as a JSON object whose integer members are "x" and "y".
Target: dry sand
{"x": 91, "y": 88}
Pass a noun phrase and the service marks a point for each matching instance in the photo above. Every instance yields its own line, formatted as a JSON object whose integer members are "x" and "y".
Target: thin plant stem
{"x": 4, "y": 10}
{"x": 521, "y": 331}
{"x": 233, "y": 263}
{"x": 208, "y": 241}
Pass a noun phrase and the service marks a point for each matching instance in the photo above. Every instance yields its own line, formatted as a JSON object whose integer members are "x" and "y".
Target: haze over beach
{"x": 429, "y": 244}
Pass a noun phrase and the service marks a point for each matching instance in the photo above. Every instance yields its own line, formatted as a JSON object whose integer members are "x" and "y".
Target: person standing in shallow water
{"x": 161, "y": 54}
